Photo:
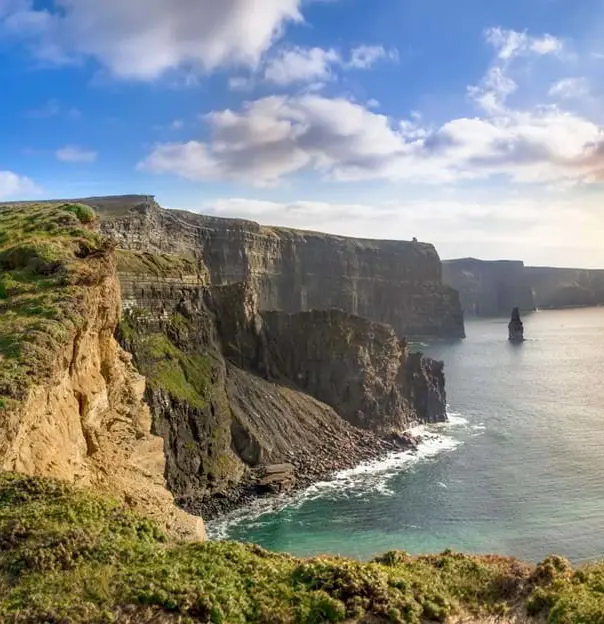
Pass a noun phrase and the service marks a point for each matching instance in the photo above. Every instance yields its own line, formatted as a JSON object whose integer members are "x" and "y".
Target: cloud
{"x": 74, "y": 154}
{"x": 13, "y": 185}
{"x": 570, "y": 88}
{"x": 510, "y": 43}
{"x": 143, "y": 39}
{"x": 363, "y": 57}
{"x": 274, "y": 137}
{"x": 300, "y": 65}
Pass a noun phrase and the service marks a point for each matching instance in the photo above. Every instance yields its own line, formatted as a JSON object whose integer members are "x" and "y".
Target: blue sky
{"x": 471, "y": 124}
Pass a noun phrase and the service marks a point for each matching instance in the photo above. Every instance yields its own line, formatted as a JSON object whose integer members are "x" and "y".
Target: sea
{"x": 517, "y": 470}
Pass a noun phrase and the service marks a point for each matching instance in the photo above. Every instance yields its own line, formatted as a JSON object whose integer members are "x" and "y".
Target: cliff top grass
{"x": 43, "y": 251}
{"x": 70, "y": 555}
{"x": 159, "y": 265}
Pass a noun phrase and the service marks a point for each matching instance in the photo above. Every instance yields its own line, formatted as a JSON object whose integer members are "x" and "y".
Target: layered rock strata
{"x": 394, "y": 282}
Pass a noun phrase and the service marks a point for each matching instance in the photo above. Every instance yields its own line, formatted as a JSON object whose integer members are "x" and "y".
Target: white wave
{"x": 368, "y": 478}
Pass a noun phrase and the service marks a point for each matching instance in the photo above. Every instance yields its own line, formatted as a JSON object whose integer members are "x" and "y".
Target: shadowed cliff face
{"x": 393, "y": 282}
{"x": 233, "y": 388}
{"x": 493, "y": 288}
{"x": 566, "y": 288}
{"x": 489, "y": 288}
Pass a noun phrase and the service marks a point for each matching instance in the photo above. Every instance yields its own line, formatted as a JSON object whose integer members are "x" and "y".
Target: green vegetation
{"x": 85, "y": 214}
{"x": 187, "y": 377}
{"x": 47, "y": 253}
{"x": 158, "y": 265}
{"x": 69, "y": 555}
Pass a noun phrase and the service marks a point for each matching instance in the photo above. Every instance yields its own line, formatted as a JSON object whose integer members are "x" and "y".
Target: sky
{"x": 474, "y": 125}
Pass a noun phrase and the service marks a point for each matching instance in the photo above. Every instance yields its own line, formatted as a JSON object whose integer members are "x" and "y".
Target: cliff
{"x": 566, "y": 288}
{"x": 71, "y": 402}
{"x": 489, "y": 288}
{"x": 492, "y": 288}
{"x": 234, "y": 389}
{"x": 393, "y": 282}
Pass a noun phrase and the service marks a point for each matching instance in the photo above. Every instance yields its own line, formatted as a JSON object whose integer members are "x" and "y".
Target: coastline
{"x": 360, "y": 447}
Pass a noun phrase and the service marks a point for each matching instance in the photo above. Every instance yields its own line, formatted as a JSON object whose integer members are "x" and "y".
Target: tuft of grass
{"x": 85, "y": 214}
{"x": 72, "y": 555}
{"x": 48, "y": 255}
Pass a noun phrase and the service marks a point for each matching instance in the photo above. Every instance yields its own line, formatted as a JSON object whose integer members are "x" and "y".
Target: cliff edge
{"x": 394, "y": 282}
{"x": 71, "y": 402}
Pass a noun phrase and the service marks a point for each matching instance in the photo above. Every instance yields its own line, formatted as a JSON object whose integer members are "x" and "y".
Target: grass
{"x": 186, "y": 377}
{"x": 70, "y": 555}
{"x": 48, "y": 254}
{"x": 159, "y": 265}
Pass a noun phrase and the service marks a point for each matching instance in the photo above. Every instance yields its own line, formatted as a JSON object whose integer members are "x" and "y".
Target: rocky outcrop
{"x": 489, "y": 288}
{"x": 516, "y": 327}
{"x": 358, "y": 367}
{"x": 394, "y": 282}
{"x": 234, "y": 389}
{"x": 566, "y": 288}
{"x": 84, "y": 420}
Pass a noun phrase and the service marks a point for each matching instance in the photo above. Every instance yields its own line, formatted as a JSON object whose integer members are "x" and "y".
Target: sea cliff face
{"x": 489, "y": 288}
{"x": 71, "y": 402}
{"x": 566, "y": 288}
{"x": 399, "y": 283}
{"x": 493, "y": 288}
{"x": 234, "y": 389}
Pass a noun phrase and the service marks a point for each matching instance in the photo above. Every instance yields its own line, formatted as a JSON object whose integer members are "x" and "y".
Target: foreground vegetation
{"x": 69, "y": 555}
{"x": 44, "y": 261}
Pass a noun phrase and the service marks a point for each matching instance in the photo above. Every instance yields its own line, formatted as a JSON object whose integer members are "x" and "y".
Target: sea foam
{"x": 368, "y": 478}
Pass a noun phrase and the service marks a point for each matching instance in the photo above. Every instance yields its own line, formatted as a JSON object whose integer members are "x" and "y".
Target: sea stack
{"x": 516, "y": 328}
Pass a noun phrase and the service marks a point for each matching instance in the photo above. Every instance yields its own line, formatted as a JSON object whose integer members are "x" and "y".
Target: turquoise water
{"x": 519, "y": 470}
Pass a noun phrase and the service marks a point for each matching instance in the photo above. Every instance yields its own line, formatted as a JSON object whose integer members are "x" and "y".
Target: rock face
{"x": 489, "y": 288}
{"x": 234, "y": 389}
{"x": 85, "y": 420}
{"x": 399, "y": 283}
{"x": 516, "y": 327}
{"x": 566, "y": 288}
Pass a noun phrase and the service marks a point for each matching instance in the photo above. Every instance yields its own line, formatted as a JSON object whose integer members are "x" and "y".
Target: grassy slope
{"x": 69, "y": 555}
{"x": 43, "y": 252}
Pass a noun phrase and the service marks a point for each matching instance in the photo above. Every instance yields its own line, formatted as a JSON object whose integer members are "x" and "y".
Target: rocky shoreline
{"x": 302, "y": 470}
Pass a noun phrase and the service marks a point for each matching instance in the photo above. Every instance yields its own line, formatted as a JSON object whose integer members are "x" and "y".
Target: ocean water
{"x": 519, "y": 469}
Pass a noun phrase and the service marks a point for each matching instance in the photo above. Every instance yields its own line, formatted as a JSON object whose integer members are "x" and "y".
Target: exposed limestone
{"x": 84, "y": 420}
{"x": 394, "y": 282}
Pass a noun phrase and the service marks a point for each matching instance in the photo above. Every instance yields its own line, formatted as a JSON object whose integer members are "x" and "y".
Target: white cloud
{"x": 240, "y": 83}
{"x": 14, "y": 186}
{"x": 364, "y": 56}
{"x": 569, "y": 88}
{"x": 300, "y": 65}
{"x": 510, "y": 43}
{"x": 74, "y": 154}
{"x": 343, "y": 140}
{"x": 142, "y": 39}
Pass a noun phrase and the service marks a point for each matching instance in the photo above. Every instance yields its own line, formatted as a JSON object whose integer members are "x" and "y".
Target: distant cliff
{"x": 566, "y": 288}
{"x": 394, "y": 282}
{"x": 489, "y": 288}
{"x": 493, "y": 288}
